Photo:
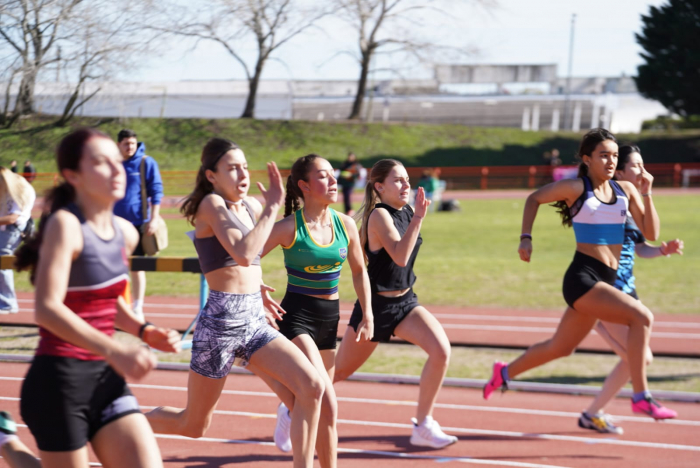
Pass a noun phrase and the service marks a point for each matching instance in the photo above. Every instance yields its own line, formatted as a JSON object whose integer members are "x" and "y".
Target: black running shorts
{"x": 583, "y": 273}
{"x": 388, "y": 314}
{"x": 65, "y": 401}
{"x": 312, "y": 316}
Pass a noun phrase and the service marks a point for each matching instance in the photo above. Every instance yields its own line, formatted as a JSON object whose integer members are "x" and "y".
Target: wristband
{"x": 416, "y": 216}
{"x": 646, "y": 194}
{"x": 142, "y": 329}
{"x": 525, "y": 236}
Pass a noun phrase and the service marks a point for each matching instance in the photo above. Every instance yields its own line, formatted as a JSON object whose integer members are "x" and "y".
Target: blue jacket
{"x": 129, "y": 207}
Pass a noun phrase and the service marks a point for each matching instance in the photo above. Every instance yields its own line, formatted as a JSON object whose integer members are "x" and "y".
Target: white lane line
{"x": 504, "y": 328}
{"x": 374, "y": 401}
{"x": 465, "y": 430}
{"x": 409, "y": 456}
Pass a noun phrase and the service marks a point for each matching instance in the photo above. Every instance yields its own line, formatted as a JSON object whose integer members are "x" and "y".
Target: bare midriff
{"x": 235, "y": 279}
{"x": 607, "y": 254}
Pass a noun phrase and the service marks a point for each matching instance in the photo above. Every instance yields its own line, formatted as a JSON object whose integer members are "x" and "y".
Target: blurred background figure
{"x": 17, "y": 198}
{"x": 349, "y": 174}
{"x": 13, "y": 166}
{"x": 29, "y": 171}
{"x": 433, "y": 186}
{"x": 130, "y": 207}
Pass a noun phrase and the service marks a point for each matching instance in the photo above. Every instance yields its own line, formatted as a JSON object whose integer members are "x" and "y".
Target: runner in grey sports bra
{"x": 212, "y": 255}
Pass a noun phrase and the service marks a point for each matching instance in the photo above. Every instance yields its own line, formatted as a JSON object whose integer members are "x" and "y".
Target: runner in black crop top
{"x": 384, "y": 273}
{"x": 392, "y": 229}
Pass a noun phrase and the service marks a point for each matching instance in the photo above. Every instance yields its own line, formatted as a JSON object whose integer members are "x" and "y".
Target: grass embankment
{"x": 177, "y": 143}
{"x": 469, "y": 259}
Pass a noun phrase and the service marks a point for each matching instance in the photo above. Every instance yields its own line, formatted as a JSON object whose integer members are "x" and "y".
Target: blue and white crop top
{"x": 596, "y": 222}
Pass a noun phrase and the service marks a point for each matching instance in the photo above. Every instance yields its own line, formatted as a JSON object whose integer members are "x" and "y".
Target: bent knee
{"x": 644, "y": 316}
{"x": 441, "y": 354}
{"x": 311, "y": 390}
{"x": 340, "y": 374}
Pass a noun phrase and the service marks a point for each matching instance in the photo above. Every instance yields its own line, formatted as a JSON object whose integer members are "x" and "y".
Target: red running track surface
{"x": 672, "y": 334}
{"x": 515, "y": 429}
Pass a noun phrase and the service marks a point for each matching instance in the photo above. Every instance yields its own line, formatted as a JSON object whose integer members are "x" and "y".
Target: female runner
{"x": 316, "y": 241}
{"x": 232, "y": 327}
{"x": 390, "y": 235}
{"x": 74, "y": 391}
{"x": 629, "y": 168}
{"x": 597, "y": 208}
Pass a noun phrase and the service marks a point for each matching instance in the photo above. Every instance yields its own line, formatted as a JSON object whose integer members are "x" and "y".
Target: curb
{"x": 537, "y": 387}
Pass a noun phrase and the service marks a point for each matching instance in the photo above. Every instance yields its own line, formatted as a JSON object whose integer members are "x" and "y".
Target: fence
{"x": 456, "y": 178}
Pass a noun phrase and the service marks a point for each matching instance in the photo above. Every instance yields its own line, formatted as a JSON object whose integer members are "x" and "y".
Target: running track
{"x": 474, "y": 326}
{"x": 513, "y": 430}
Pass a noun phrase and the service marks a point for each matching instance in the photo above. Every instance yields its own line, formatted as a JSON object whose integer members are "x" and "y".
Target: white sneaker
{"x": 429, "y": 434}
{"x": 284, "y": 423}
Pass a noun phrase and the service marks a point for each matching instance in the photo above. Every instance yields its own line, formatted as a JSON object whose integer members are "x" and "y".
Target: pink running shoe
{"x": 652, "y": 408}
{"x": 496, "y": 381}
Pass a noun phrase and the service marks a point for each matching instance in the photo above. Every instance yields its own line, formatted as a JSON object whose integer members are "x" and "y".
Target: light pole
{"x": 567, "y": 103}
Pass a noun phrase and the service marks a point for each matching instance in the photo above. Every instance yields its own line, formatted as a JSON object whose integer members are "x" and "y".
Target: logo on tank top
{"x": 343, "y": 252}
{"x": 321, "y": 268}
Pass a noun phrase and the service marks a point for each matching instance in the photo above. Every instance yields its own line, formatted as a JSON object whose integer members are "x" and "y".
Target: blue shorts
{"x": 229, "y": 330}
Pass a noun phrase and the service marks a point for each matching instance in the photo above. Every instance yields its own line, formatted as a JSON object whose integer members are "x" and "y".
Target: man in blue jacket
{"x": 130, "y": 207}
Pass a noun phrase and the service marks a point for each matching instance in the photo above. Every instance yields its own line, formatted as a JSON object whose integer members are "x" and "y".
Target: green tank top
{"x": 312, "y": 268}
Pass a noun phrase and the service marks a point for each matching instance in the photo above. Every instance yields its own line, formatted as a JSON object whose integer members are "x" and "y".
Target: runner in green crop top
{"x": 316, "y": 241}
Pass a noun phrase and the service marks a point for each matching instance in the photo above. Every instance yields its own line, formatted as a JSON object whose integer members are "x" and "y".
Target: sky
{"x": 515, "y": 32}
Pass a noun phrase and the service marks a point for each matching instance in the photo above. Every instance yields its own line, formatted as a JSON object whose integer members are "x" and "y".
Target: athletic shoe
{"x": 7, "y": 424}
{"x": 652, "y": 408}
{"x": 496, "y": 381}
{"x": 429, "y": 434}
{"x": 282, "y": 428}
{"x": 600, "y": 422}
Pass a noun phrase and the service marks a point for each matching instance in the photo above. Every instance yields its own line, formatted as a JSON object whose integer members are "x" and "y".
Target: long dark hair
{"x": 68, "y": 155}
{"x": 212, "y": 152}
{"x": 588, "y": 144}
{"x": 300, "y": 171}
{"x": 378, "y": 173}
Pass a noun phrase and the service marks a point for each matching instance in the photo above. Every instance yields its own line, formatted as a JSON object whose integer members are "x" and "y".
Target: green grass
{"x": 177, "y": 143}
{"x": 469, "y": 259}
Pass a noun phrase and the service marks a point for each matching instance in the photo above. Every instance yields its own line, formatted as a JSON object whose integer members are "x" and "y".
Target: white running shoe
{"x": 284, "y": 423}
{"x": 429, "y": 434}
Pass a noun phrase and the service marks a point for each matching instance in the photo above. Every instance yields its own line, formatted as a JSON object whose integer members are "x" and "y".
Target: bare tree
{"x": 10, "y": 67}
{"x": 233, "y": 23}
{"x": 106, "y": 38}
{"x": 389, "y": 25}
{"x": 32, "y": 28}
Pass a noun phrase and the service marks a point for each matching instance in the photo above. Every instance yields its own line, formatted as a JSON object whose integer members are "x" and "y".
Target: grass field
{"x": 176, "y": 143}
{"x": 469, "y": 259}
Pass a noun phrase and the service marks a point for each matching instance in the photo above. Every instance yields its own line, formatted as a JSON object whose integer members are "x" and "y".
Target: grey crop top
{"x": 212, "y": 255}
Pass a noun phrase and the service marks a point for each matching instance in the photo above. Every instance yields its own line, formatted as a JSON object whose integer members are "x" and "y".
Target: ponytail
{"x": 291, "y": 198}
{"x": 299, "y": 171}
{"x": 378, "y": 173}
{"x": 27, "y": 256}
{"x": 588, "y": 145}
{"x": 202, "y": 188}
{"x": 68, "y": 155}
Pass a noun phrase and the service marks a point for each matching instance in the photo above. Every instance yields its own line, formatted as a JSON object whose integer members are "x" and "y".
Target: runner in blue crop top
{"x": 598, "y": 205}
{"x": 316, "y": 241}
{"x": 629, "y": 168}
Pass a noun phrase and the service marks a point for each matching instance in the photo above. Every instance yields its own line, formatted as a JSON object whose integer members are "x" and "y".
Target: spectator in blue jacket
{"x": 130, "y": 207}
